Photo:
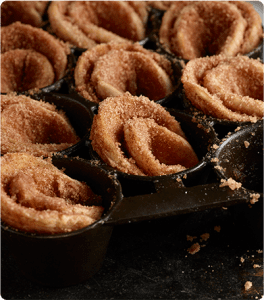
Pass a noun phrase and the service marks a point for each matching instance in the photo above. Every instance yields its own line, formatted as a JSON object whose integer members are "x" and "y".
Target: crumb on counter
{"x": 204, "y": 237}
{"x": 191, "y": 238}
{"x": 217, "y": 228}
{"x": 256, "y": 266}
{"x": 194, "y": 248}
{"x": 246, "y": 143}
{"x": 248, "y": 285}
{"x": 254, "y": 198}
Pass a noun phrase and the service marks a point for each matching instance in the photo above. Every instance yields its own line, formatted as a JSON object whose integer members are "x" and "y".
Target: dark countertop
{"x": 150, "y": 260}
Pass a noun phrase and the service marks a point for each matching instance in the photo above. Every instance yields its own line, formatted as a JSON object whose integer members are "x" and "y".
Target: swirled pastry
{"x": 112, "y": 69}
{"x": 87, "y": 23}
{"x": 27, "y": 12}
{"x": 225, "y": 87}
{"x": 39, "y": 198}
{"x": 138, "y": 136}
{"x": 200, "y": 28}
{"x": 33, "y": 126}
{"x": 30, "y": 58}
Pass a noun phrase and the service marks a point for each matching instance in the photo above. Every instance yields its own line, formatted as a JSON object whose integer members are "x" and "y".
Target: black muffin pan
{"x": 70, "y": 258}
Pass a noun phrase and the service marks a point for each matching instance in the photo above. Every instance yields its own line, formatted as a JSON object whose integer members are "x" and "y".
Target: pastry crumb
{"x": 204, "y": 237}
{"x": 194, "y": 248}
{"x": 248, "y": 285}
{"x": 217, "y": 228}
{"x": 215, "y": 146}
{"x": 191, "y": 238}
{"x": 246, "y": 144}
{"x": 215, "y": 159}
{"x": 231, "y": 183}
{"x": 254, "y": 198}
{"x": 256, "y": 266}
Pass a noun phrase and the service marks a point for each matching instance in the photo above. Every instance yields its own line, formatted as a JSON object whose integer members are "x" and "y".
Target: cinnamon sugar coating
{"x": 196, "y": 29}
{"x": 226, "y": 87}
{"x": 156, "y": 149}
{"x": 27, "y": 12}
{"x": 87, "y": 23}
{"x": 39, "y": 198}
{"x": 129, "y": 133}
{"x": 111, "y": 69}
{"x": 30, "y": 58}
{"x": 22, "y": 70}
{"x": 33, "y": 126}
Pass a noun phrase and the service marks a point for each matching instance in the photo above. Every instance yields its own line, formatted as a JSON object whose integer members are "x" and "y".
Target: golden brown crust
{"x": 27, "y": 12}
{"x": 156, "y": 149}
{"x": 197, "y": 29}
{"x": 87, "y": 23}
{"x": 37, "y": 197}
{"x": 225, "y": 87}
{"x": 25, "y": 37}
{"x": 33, "y": 126}
{"x": 112, "y": 69}
{"x": 114, "y": 115}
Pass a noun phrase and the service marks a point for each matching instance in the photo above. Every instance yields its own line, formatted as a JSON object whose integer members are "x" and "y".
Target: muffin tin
{"x": 71, "y": 258}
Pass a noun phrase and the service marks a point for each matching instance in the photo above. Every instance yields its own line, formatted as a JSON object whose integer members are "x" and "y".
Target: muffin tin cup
{"x": 78, "y": 114}
{"x": 69, "y": 258}
{"x": 176, "y": 76}
{"x": 59, "y": 86}
{"x": 155, "y": 18}
{"x": 149, "y": 42}
{"x": 240, "y": 156}
{"x": 200, "y": 135}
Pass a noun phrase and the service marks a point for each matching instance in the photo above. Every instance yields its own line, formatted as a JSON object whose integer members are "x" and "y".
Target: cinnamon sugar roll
{"x": 228, "y": 88}
{"x": 200, "y": 28}
{"x": 30, "y": 58}
{"x": 33, "y": 126}
{"x": 138, "y": 136}
{"x": 87, "y": 23}
{"x": 112, "y": 69}
{"x": 39, "y": 198}
{"x": 27, "y": 12}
